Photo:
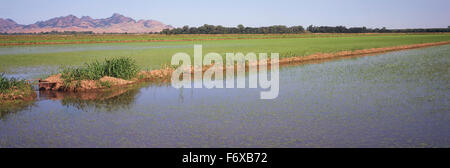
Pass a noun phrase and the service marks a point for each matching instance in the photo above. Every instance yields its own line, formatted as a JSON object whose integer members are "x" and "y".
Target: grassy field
{"x": 64, "y": 39}
{"x": 124, "y": 68}
{"x": 151, "y": 55}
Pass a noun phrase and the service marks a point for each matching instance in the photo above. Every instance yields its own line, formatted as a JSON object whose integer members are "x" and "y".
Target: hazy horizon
{"x": 351, "y": 13}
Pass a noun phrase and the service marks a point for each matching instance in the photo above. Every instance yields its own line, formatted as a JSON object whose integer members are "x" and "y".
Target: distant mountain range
{"x": 117, "y": 23}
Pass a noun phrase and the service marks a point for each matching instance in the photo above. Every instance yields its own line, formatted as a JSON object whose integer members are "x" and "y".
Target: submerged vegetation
{"x": 151, "y": 55}
{"x": 123, "y": 67}
{"x": 119, "y": 64}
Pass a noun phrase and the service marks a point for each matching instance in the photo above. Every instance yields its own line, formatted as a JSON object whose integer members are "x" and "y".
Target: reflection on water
{"x": 397, "y": 99}
{"x": 10, "y": 108}
{"x": 109, "y": 100}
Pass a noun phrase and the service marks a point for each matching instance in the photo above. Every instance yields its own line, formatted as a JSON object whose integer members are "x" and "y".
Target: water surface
{"x": 397, "y": 99}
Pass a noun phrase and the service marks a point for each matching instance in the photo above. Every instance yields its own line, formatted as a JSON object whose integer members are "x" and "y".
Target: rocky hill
{"x": 117, "y": 23}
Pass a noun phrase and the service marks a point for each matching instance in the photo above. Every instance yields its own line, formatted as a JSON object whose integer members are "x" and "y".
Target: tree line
{"x": 240, "y": 29}
{"x": 279, "y": 29}
{"x": 343, "y": 29}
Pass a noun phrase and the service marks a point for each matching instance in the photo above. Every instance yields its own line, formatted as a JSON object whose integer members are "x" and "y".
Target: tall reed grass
{"x": 7, "y": 84}
{"x": 123, "y": 67}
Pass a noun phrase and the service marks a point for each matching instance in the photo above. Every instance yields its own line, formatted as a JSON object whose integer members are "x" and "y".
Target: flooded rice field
{"x": 397, "y": 99}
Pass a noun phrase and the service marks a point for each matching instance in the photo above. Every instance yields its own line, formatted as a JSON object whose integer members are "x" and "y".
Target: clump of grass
{"x": 105, "y": 84}
{"x": 125, "y": 68}
{"x": 169, "y": 66}
{"x": 14, "y": 89}
{"x": 9, "y": 84}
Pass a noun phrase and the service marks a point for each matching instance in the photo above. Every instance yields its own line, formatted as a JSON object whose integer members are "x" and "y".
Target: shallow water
{"x": 38, "y": 71}
{"x": 397, "y": 99}
{"x": 22, "y": 68}
{"x": 40, "y": 49}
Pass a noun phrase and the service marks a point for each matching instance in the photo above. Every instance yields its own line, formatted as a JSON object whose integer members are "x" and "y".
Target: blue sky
{"x": 379, "y": 13}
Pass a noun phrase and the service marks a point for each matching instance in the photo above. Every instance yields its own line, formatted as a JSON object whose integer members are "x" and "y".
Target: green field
{"x": 151, "y": 55}
{"x": 98, "y": 38}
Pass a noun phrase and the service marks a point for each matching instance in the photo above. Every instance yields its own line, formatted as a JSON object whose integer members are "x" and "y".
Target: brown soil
{"x": 160, "y": 75}
{"x": 163, "y": 75}
{"x": 56, "y": 83}
{"x": 92, "y": 95}
{"x": 115, "y": 81}
{"x": 17, "y": 94}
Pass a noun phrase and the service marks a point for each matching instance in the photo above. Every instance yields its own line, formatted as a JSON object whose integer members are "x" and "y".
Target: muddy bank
{"x": 56, "y": 83}
{"x": 92, "y": 95}
{"x": 325, "y": 56}
{"x": 16, "y": 94}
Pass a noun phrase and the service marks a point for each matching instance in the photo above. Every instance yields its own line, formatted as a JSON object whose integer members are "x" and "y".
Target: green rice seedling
{"x": 154, "y": 54}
